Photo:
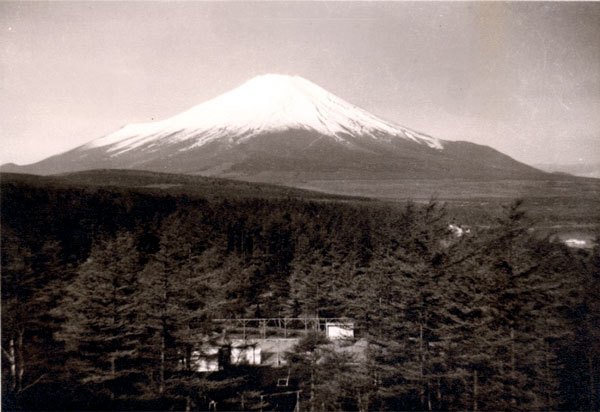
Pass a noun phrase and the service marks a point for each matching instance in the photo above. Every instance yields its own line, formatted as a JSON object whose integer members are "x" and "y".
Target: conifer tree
{"x": 31, "y": 285}
{"x": 526, "y": 301}
{"x": 581, "y": 355}
{"x": 176, "y": 307}
{"x": 17, "y": 286}
{"x": 405, "y": 309}
{"x": 100, "y": 328}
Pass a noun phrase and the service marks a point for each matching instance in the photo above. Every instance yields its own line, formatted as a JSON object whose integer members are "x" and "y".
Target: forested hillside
{"x": 106, "y": 292}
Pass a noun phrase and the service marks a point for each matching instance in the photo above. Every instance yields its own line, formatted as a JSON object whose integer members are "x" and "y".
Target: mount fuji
{"x": 284, "y": 129}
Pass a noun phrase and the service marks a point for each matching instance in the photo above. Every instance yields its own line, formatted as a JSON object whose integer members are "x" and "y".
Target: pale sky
{"x": 523, "y": 78}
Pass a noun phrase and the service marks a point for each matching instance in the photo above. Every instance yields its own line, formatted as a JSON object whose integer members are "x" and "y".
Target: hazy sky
{"x": 523, "y": 78}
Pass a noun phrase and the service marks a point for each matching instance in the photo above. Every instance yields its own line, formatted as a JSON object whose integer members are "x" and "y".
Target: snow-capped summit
{"x": 264, "y": 104}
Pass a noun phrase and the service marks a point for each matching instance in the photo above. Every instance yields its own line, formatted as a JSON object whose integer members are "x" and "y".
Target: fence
{"x": 264, "y": 328}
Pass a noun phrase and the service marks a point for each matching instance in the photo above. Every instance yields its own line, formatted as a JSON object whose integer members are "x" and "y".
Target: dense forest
{"x": 107, "y": 290}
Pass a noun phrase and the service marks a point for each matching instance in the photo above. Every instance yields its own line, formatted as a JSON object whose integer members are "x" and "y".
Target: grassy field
{"x": 456, "y": 189}
{"x": 561, "y": 207}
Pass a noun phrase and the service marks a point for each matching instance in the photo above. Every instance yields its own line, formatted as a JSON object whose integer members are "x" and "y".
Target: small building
{"x": 245, "y": 352}
{"x": 274, "y": 350}
{"x": 339, "y": 330}
{"x": 459, "y": 230}
{"x": 206, "y": 359}
{"x": 577, "y": 243}
{"x": 264, "y": 342}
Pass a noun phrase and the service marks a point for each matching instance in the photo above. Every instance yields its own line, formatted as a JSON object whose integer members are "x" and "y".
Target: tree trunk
{"x": 592, "y": 383}
{"x": 312, "y": 390}
{"x": 188, "y": 358}
{"x": 161, "y": 377}
{"x": 475, "y": 390}
{"x": 363, "y": 402}
{"x": 421, "y": 367}
{"x": 20, "y": 361}
{"x": 439, "y": 393}
{"x": 429, "y": 406}
{"x": 112, "y": 376}
{"x": 548, "y": 375}
{"x": 13, "y": 365}
{"x": 513, "y": 367}
{"x": 163, "y": 335}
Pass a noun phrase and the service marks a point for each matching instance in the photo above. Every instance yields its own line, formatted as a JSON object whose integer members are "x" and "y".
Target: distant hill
{"x": 575, "y": 169}
{"x": 166, "y": 183}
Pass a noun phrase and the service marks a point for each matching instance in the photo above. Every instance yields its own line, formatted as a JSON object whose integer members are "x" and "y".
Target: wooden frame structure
{"x": 264, "y": 328}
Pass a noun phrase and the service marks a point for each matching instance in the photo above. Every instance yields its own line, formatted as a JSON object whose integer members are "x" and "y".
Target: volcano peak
{"x": 264, "y": 104}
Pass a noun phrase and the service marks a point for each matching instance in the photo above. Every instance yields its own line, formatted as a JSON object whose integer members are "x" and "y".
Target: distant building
{"x": 458, "y": 230}
{"x": 576, "y": 243}
{"x": 244, "y": 352}
{"x": 206, "y": 358}
{"x": 274, "y": 350}
{"x": 339, "y": 330}
{"x": 266, "y": 352}
{"x": 257, "y": 343}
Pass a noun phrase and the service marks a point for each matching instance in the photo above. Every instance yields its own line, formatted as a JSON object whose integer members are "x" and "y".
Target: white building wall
{"x": 339, "y": 330}
{"x": 246, "y": 355}
{"x": 206, "y": 360}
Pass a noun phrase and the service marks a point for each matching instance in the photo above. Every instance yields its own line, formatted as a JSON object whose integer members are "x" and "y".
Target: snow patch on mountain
{"x": 264, "y": 104}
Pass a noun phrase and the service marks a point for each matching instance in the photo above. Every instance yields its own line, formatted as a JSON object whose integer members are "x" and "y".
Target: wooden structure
{"x": 264, "y": 328}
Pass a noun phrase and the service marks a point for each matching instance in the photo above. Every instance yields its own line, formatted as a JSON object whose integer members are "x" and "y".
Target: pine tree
{"x": 177, "y": 304}
{"x": 100, "y": 328}
{"x": 403, "y": 307}
{"x": 580, "y": 356}
{"x": 18, "y": 283}
{"x": 304, "y": 365}
{"x": 31, "y": 284}
{"x": 526, "y": 301}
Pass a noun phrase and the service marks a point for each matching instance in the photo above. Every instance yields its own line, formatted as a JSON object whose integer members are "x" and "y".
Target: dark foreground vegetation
{"x": 107, "y": 291}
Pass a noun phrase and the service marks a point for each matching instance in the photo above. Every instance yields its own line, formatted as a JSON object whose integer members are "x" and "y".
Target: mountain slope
{"x": 284, "y": 129}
